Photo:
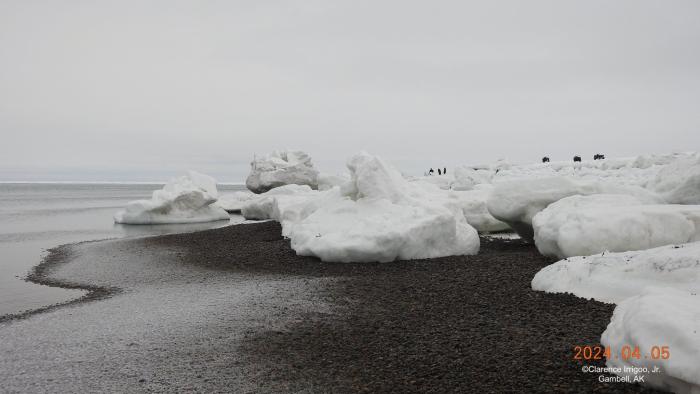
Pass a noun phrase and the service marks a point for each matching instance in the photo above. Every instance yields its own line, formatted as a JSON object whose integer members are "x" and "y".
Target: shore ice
{"x": 186, "y": 199}
{"x": 376, "y": 216}
{"x": 583, "y": 225}
{"x": 279, "y": 169}
{"x": 659, "y": 317}
{"x": 612, "y": 277}
{"x": 233, "y": 202}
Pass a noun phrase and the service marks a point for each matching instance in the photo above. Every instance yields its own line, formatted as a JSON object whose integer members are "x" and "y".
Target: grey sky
{"x": 142, "y": 90}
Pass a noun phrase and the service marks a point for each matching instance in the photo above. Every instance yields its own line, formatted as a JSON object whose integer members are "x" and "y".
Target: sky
{"x": 145, "y": 90}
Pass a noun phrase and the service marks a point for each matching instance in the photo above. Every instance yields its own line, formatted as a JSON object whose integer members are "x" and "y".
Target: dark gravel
{"x": 456, "y": 324}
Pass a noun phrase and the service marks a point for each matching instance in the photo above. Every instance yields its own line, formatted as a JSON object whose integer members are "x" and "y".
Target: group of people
{"x": 439, "y": 172}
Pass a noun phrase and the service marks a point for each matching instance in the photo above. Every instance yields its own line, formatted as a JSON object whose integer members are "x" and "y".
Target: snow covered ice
{"x": 659, "y": 317}
{"x": 186, "y": 199}
{"x": 584, "y": 225}
{"x": 612, "y": 277}
{"x": 379, "y": 216}
{"x": 679, "y": 181}
{"x": 281, "y": 168}
{"x": 233, "y": 202}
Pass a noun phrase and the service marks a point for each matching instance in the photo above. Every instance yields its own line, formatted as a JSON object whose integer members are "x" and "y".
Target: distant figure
{"x": 439, "y": 173}
{"x": 545, "y": 159}
{"x": 444, "y": 171}
{"x": 577, "y": 158}
{"x": 431, "y": 171}
{"x": 598, "y": 156}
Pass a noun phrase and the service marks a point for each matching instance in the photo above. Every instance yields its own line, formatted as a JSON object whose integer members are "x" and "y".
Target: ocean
{"x": 35, "y": 217}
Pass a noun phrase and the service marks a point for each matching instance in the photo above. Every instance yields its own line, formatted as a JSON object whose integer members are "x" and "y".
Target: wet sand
{"x": 234, "y": 309}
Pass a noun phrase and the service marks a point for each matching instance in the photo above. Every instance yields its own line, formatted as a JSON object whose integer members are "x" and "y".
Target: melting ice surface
{"x": 36, "y": 217}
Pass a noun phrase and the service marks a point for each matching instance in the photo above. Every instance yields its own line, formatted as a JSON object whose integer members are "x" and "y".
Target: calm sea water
{"x": 35, "y": 217}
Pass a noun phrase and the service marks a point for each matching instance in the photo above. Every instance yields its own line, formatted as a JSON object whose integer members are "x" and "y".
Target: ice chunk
{"x": 679, "y": 181}
{"x": 327, "y": 181}
{"x": 187, "y": 199}
{"x": 664, "y": 324}
{"x": 516, "y": 202}
{"x": 585, "y": 225}
{"x": 281, "y": 168}
{"x": 261, "y": 207}
{"x": 233, "y": 203}
{"x": 379, "y": 216}
{"x": 612, "y": 277}
{"x": 473, "y": 206}
{"x": 466, "y": 178}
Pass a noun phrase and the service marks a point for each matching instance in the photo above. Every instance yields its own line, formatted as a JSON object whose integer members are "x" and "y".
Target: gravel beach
{"x": 234, "y": 309}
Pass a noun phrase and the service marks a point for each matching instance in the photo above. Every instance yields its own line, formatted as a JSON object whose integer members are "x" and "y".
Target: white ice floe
{"x": 328, "y": 181}
{"x": 585, "y": 225}
{"x": 664, "y": 324}
{"x": 233, "y": 202}
{"x": 261, "y": 207}
{"x": 473, "y": 206}
{"x": 466, "y": 178}
{"x": 612, "y": 277}
{"x": 186, "y": 199}
{"x": 379, "y": 216}
{"x": 679, "y": 181}
{"x": 281, "y": 168}
{"x": 516, "y": 202}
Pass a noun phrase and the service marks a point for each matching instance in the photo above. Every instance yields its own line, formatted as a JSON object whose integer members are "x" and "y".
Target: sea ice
{"x": 584, "y": 225}
{"x": 186, "y": 199}
{"x": 473, "y": 206}
{"x": 612, "y": 277}
{"x": 281, "y": 168}
{"x": 516, "y": 202}
{"x": 233, "y": 203}
{"x": 664, "y": 324}
{"x": 261, "y": 207}
{"x": 679, "y": 181}
{"x": 379, "y": 216}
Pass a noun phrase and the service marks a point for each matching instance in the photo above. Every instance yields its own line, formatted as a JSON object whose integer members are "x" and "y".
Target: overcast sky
{"x": 143, "y": 90}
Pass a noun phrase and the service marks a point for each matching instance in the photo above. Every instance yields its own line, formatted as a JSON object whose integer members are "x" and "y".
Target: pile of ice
{"x": 281, "y": 168}
{"x": 612, "y": 277}
{"x": 187, "y": 199}
{"x": 473, "y": 204}
{"x": 376, "y": 216}
{"x": 658, "y": 305}
{"x": 269, "y": 204}
{"x": 668, "y": 321}
{"x": 233, "y": 202}
{"x": 379, "y": 216}
{"x": 583, "y": 225}
{"x": 516, "y": 202}
{"x": 679, "y": 181}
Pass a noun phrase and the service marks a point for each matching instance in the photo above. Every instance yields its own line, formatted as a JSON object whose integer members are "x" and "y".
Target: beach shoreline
{"x": 459, "y": 323}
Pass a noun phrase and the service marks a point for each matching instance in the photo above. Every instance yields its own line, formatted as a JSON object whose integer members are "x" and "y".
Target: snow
{"x": 233, "y": 202}
{"x": 281, "y": 168}
{"x": 584, "y": 225}
{"x": 679, "y": 181}
{"x": 473, "y": 206}
{"x": 659, "y": 317}
{"x": 516, "y": 202}
{"x": 466, "y": 178}
{"x": 261, "y": 207}
{"x": 328, "y": 181}
{"x": 658, "y": 305}
{"x": 612, "y": 277}
{"x": 378, "y": 216}
{"x": 186, "y": 199}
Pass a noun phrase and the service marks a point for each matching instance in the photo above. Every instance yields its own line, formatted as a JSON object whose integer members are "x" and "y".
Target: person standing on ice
{"x": 439, "y": 173}
{"x": 444, "y": 171}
